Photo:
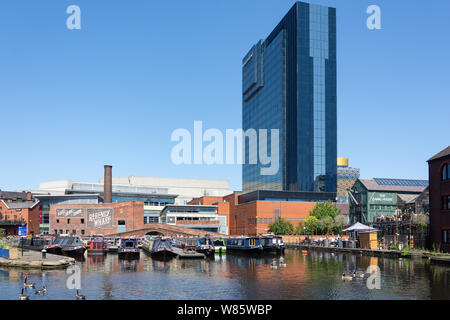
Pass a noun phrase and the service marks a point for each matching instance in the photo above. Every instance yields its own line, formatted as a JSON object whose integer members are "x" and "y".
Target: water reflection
{"x": 314, "y": 275}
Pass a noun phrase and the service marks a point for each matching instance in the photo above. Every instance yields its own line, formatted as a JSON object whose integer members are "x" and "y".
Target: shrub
{"x": 281, "y": 227}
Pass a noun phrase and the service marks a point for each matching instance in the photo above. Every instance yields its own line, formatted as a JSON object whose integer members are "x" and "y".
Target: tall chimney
{"x": 107, "y": 184}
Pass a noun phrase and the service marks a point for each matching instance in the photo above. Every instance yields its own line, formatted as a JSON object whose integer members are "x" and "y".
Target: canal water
{"x": 317, "y": 275}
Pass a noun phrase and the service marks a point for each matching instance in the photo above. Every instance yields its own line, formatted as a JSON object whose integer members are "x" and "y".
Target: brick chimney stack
{"x": 107, "y": 184}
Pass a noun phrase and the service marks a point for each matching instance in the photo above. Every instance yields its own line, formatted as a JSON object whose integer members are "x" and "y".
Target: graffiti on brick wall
{"x": 99, "y": 218}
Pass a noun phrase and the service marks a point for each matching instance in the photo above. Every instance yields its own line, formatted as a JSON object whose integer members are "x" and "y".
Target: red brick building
{"x": 439, "y": 178}
{"x": 18, "y": 209}
{"x": 89, "y": 219}
{"x": 254, "y": 217}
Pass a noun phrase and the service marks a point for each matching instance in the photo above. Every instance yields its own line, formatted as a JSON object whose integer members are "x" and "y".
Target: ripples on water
{"x": 314, "y": 276}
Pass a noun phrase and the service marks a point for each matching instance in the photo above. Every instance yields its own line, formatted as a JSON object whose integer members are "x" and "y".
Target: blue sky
{"x": 113, "y": 92}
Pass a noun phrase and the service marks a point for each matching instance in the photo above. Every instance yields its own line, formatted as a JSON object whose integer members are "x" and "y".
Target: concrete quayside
{"x": 33, "y": 260}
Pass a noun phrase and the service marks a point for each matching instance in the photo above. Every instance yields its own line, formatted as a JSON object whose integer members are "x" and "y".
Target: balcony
{"x": 5, "y": 222}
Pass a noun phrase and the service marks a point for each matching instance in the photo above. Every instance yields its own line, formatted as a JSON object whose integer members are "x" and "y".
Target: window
{"x": 152, "y": 219}
{"x": 445, "y": 173}
{"x": 56, "y": 231}
{"x": 121, "y": 222}
{"x": 60, "y": 231}
{"x": 445, "y": 202}
{"x": 74, "y": 231}
{"x": 82, "y": 221}
{"x": 446, "y": 236}
{"x": 57, "y": 220}
{"x": 82, "y": 231}
{"x": 68, "y": 221}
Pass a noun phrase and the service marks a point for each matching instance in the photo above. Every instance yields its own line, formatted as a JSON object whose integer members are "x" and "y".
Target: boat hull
{"x": 162, "y": 254}
{"x": 206, "y": 252}
{"x": 245, "y": 250}
{"x": 96, "y": 252}
{"x": 54, "y": 250}
{"x": 220, "y": 250}
{"x": 129, "y": 255}
{"x": 79, "y": 251}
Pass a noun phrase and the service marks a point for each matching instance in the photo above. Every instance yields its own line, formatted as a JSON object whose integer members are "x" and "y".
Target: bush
{"x": 281, "y": 227}
{"x": 406, "y": 250}
{"x": 393, "y": 246}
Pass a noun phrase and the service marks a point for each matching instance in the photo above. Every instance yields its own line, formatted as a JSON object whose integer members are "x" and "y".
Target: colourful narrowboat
{"x": 97, "y": 246}
{"x": 129, "y": 249}
{"x": 244, "y": 244}
{"x": 220, "y": 245}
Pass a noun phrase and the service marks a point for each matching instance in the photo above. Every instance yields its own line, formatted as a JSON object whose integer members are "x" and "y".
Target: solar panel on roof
{"x": 401, "y": 182}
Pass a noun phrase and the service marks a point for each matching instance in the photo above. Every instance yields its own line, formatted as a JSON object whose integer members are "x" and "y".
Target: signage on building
{"x": 383, "y": 198}
{"x": 22, "y": 231}
{"x": 99, "y": 217}
{"x": 69, "y": 213}
{"x": 171, "y": 220}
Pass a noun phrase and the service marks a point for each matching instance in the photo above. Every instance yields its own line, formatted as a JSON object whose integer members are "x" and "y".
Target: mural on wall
{"x": 99, "y": 217}
{"x": 69, "y": 213}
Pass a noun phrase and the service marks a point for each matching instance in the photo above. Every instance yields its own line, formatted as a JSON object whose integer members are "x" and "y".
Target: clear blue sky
{"x": 113, "y": 92}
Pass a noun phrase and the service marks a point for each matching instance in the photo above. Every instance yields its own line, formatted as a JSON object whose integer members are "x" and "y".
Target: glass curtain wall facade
{"x": 289, "y": 84}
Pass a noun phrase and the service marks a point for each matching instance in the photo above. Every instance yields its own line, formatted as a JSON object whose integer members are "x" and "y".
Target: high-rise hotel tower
{"x": 289, "y": 84}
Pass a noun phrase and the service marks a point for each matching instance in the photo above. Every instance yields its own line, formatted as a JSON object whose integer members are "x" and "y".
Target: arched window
{"x": 445, "y": 172}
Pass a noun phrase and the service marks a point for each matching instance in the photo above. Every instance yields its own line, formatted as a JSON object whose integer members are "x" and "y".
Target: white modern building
{"x": 183, "y": 190}
{"x": 186, "y": 189}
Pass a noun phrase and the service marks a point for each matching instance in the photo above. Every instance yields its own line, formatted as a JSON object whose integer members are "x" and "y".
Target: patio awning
{"x": 359, "y": 227}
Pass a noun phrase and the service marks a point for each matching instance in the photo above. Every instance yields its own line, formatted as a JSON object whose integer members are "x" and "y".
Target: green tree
{"x": 300, "y": 228}
{"x": 325, "y": 224}
{"x": 325, "y": 209}
{"x": 311, "y": 224}
{"x": 421, "y": 220}
{"x": 339, "y": 223}
{"x": 281, "y": 227}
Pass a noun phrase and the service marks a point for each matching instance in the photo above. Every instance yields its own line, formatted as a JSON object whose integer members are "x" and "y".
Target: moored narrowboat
{"x": 245, "y": 244}
{"x": 272, "y": 243}
{"x": 158, "y": 248}
{"x": 71, "y": 246}
{"x": 220, "y": 245}
{"x": 113, "y": 245}
{"x": 97, "y": 246}
{"x": 205, "y": 245}
{"x": 129, "y": 249}
{"x": 53, "y": 248}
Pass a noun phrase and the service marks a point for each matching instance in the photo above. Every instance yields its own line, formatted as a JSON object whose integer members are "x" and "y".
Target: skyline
{"x": 66, "y": 82}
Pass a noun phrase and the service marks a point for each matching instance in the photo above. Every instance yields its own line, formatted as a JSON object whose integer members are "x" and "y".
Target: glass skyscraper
{"x": 289, "y": 84}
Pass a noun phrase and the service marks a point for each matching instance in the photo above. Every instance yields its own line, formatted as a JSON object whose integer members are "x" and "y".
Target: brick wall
{"x": 439, "y": 218}
{"x": 29, "y": 215}
{"x": 299, "y": 239}
{"x": 132, "y": 212}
